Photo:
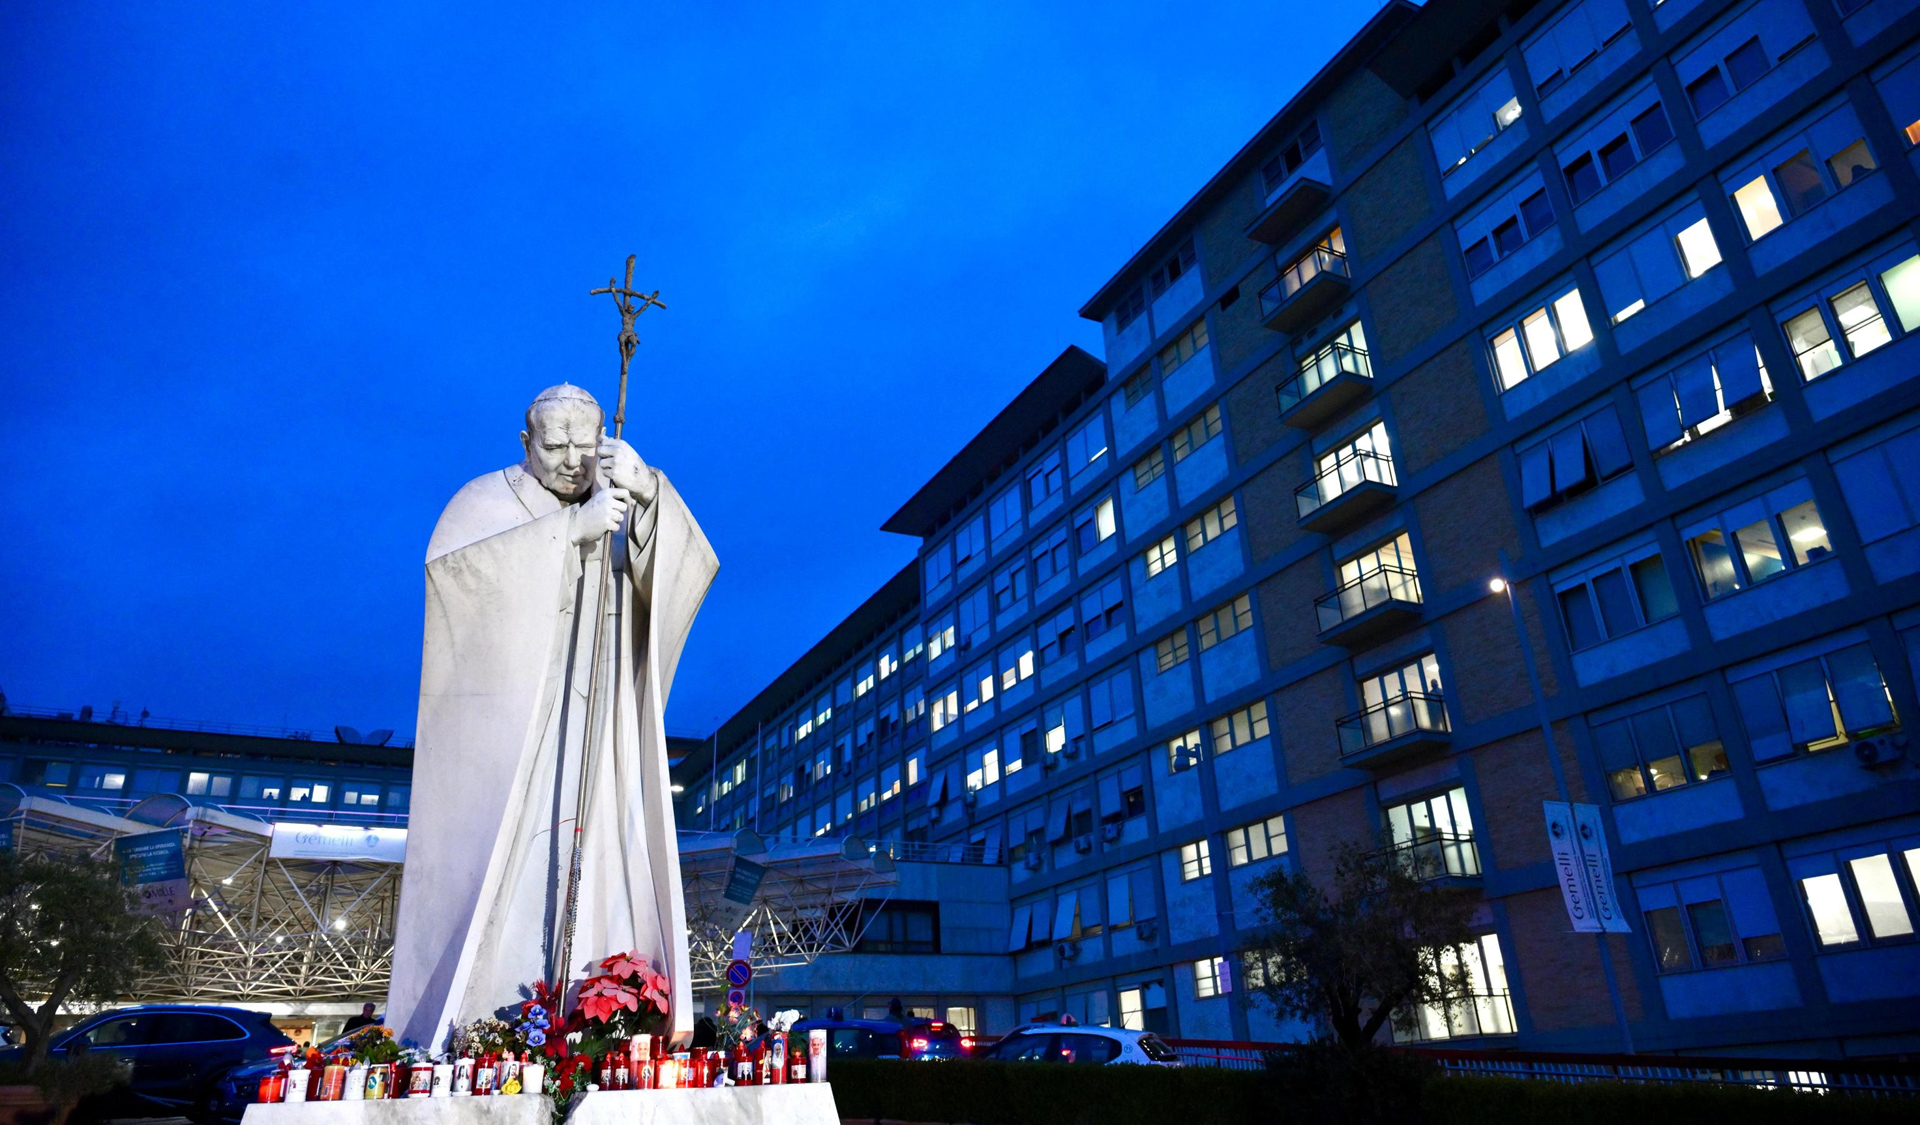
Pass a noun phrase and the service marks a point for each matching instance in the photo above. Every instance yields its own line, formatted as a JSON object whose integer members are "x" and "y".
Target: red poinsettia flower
{"x": 624, "y": 965}
{"x": 603, "y": 996}
{"x": 653, "y": 987}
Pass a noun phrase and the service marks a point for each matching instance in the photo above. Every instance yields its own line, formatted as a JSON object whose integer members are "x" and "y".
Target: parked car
{"x": 175, "y": 1053}
{"x": 936, "y": 1039}
{"x": 916, "y": 1039}
{"x": 1075, "y": 1043}
{"x": 239, "y": 1088}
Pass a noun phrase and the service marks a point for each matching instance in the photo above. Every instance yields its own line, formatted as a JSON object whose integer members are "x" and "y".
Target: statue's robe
{"x": 505, "y": 678}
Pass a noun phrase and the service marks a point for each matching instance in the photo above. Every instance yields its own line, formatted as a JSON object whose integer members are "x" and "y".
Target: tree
{"x": 1367, "y": 952}
{"x": 67, "y": 932}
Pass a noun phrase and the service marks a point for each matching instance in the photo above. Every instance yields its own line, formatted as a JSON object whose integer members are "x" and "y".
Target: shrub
{"x": 1311, "y": 1086}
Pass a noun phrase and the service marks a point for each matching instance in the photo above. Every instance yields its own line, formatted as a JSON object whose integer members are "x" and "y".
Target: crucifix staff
{"x": 631, "y": 303}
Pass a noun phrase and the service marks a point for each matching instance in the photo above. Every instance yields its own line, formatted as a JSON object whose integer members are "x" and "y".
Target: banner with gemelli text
{"x": 338, "y": 841}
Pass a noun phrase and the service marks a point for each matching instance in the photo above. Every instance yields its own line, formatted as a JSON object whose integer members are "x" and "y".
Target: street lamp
{"x": 1498, "y": 584}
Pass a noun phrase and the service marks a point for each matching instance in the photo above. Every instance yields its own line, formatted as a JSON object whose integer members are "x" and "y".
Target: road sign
{"x": 737, "y": 996}
{"x": 739, "y": 973}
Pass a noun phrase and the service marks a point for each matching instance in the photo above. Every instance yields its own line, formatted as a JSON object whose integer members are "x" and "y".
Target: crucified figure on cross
{"x": 631, "y": 304}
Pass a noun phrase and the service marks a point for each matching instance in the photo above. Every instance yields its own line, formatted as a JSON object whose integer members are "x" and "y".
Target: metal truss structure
{"x": 797, "y": 899}
{"x": 262, "y": 928}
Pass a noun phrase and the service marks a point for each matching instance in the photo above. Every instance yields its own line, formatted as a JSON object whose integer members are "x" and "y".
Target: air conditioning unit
{"x": 1051, "y": 761}
{"x": 1873, "y": 753}
{"x": 1034, "y": 858}
{"x": 1083, "y": 843}
{"x": 1110, "y": 831}
{"x": 933, "y": 811}
{"x": 1067, "y": 950}
{"x": 965, "y": 645}
{"x": 1146, "y": 929}
{"x": 1075, "y": 744}
{"x": 970, "y": 798}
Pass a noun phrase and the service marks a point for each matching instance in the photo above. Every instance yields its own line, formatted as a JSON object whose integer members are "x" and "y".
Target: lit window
{"x": 1757, "y": 208}
{"x": 1226, "y": 621}
{"x": 1183, "y": 753}
{"x": 1547, "y": 333}
{"x": 1211, "y": 524}
{"x": 1257, "y": 841}
{"x": 1162, "y": 555}
{"x": 1210, "y": 978}
{"x": 1195, "y": 861}
{"x": 1239, "y": 728}
{"x": 1661, "y": 748}
{"x": 1827, "y": 902}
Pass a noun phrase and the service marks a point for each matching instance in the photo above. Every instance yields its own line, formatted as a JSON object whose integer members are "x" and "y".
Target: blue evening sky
{"x": 275, "y": 281}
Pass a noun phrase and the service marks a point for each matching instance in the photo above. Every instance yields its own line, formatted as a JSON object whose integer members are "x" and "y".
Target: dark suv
{"x": 174, "y": 1053}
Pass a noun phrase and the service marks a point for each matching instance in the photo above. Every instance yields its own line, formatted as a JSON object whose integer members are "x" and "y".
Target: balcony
{"x": 1380, "y": 602}
{"x": 1438, "y": 855}
{"x": 1306, "y": 290}
{"x": 1357, "y": 484}
{"x": 1331, "y": 381}
{"x": 1290, "y": 210}
{"x": 1400, "y": 731}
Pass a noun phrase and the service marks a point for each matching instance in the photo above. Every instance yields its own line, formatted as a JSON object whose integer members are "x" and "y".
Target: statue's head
{"x": 562, "y": 440}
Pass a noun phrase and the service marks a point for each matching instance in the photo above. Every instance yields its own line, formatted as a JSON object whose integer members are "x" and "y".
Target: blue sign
{"x": 739, "y": 973}
{"x": 155, "y": 864}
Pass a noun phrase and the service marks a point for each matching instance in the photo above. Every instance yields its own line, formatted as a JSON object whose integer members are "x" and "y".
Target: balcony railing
{"x": 1322, "y": 367}
{"x": 1321, "y": 259}
{"x": 1437, "y": 855}
{"x": 1376, "y": 586}
{"x": 1383, "y": 722}
{"x": 1349, "y": 471}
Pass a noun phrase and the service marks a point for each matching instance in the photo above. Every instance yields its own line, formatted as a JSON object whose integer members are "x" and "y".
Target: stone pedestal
{"x": 810, "y": 1104}
{"x": 510, "y": 1109}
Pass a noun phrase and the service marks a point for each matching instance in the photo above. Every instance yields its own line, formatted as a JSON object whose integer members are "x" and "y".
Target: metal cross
{"x": 631, "y": 304}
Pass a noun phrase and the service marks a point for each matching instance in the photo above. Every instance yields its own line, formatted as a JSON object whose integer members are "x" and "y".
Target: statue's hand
{"x": 600, "y": 515}
{"x": 621, "y": 467}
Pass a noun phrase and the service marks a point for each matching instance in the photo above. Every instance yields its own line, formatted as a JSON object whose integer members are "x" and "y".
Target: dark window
{"x": 1131, "y": 306}
{"x": 1656, "y": 589}
{"x": 1023, "y": 1048}
{"x": 1617, "y": 158}
{"x": 1583, "y": 178}
{"x": 1134, "y": 801}
{"x": 903, "y": 928}
{"x": 1714, "y": 933}
{"x": 1651, "y": 130}
{"x": 1747, "y": 63}
{"x": 1508, "y": 237}
{"x": 1800, "y": 182}
{"x": 1090, "y": 1049}
{"x": 1576, "y": 605}
{"x": 1669, "y": 939}
{"x": 1479, "y": 258}
{"x": 1537, "y": 212}
{"x": 194, "y": 1027}
{"x": 1707, "y": 92}
{"x": 1616, "y": 604}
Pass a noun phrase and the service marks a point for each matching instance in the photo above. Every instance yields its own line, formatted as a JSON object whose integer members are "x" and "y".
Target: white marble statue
{"x": 513, "y": 589}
